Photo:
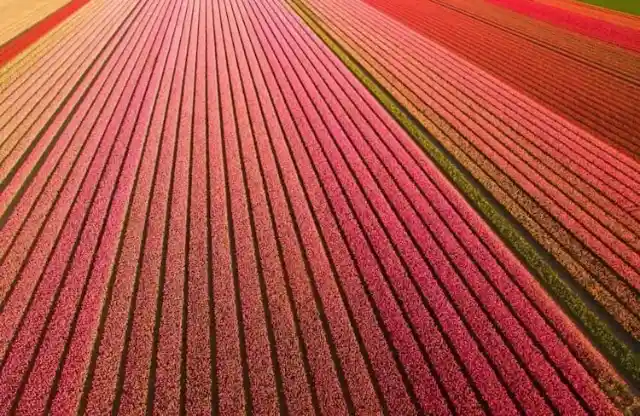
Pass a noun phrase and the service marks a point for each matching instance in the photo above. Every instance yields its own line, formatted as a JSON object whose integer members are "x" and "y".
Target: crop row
{"x": 468, "y": 115}
{"x": 598, "y": 96}
{"x": 585, "y": 9}
{"x": 28, "y": 22}
{"x": 30, "y": 106}
{"x": 591, "y": 24}
{"x": 18, "y": 18}
{"x": 62, "y": 274}
{"x": 605, "y": 57}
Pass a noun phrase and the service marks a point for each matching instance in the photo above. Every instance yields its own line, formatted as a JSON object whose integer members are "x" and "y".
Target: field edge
{"x": 617, "y": 6}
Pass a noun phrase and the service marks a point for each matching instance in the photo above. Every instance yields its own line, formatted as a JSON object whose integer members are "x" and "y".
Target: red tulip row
{"x": 587, "y": 23}
{"x": 561, "y": 183}
{"x": 621, "y": 19}
{"x": 605, "y": 57}
{"x": 602, "y": 99}
{"x": 220, "y": 217}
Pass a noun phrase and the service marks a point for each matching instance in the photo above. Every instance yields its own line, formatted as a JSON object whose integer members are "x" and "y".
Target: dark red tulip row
{"x": 589, "y": 22}
{"x": 541, "y": 61}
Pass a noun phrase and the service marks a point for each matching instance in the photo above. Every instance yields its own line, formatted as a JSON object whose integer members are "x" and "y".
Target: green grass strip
{"x": 625, "y": 6}
{"x": 611, "y": 346}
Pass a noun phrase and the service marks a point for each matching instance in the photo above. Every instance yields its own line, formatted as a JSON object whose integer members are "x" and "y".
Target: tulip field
{"x": 575, "y": 192}
{"x": 319, "y": 207}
